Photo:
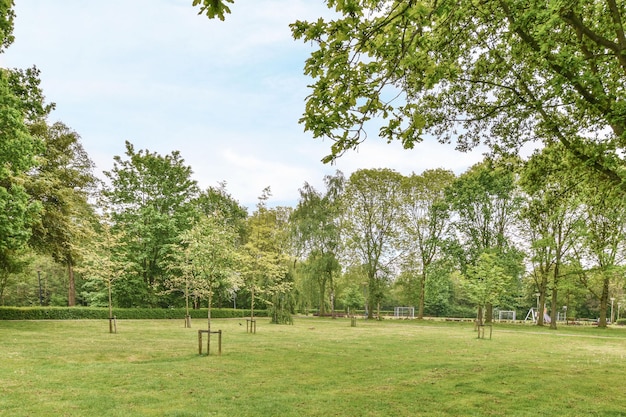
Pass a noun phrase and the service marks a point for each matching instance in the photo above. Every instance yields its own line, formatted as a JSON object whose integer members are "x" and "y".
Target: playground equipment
{"x": 532, "y": 315}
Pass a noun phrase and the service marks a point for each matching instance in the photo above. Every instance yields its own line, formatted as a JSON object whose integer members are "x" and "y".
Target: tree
{"x": 151, "y": 199}
{"x": 438, "y": 294}
{"x": 62, "y": 183}
{"x": 7, "y": 15}
{"x": 499, "y": 72}
{"x": 425, "y": 222}
{"x": 316, "y": 234}
{"x": 485, "y": 202}
{"x": 208, "y": 258}
{"x": 104, "y": 263}
{"x": 485, "y": 283}
{"x": 605, "y": 232}
{"x": 13, "y": 265}
{"x": 264, "y": 260}
{"x": 370, "y": 227}
{"x": 21, "y": 108}
{"x": 352, "y": 299}
{"x": 217, "y": 200}
{"x": 550, "y": 218}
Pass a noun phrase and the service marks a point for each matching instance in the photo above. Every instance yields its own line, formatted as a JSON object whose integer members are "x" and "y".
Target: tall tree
{"x": 316, "y": 234}
{"x": 62, "y": 183}
{"x": 151, "y": 199}
{"x": 550, "y": 218}
{"x": 485, "y": 202}
{"x": 425, "y": 221}
{"x": 218, "y": 201}
{"x": 264, "y": 257}
{"x": 22, "y": 107}
{"x": 370, "y": 227}
{"x": 500, "y": 72}
{"x": 605, "y": 232}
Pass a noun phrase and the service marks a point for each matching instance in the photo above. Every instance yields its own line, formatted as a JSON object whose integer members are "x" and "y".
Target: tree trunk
{"x": 422, "y": 292}
{"x": 543, "y": 285}
{"x": 332, "y": 293}
{"x": 3, "y": 283}
{"x": 488, "y": 313}
{"x": 71, "y": 294}
{"x": 187, "y": 316}
{"x": 370, "y": 308}
{"x": 369, "y": 299}
{"x": 252, "y": 303}
{"x": 555, "y": 285}
{"x": 604, "y": 301}
{"x": 554, "y": 308}
{"x": 110, "y": 308}
{"x": 322, "y": 309}
{"x": 209, "y": 314}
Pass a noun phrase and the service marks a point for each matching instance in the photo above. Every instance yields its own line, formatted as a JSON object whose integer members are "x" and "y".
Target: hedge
{"x": 77, "y": 313}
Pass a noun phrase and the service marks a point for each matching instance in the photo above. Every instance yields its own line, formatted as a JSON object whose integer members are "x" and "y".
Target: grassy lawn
{"x": 317, "y": 367}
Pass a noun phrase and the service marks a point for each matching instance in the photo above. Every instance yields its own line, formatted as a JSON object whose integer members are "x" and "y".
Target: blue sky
{"x": 227, "y": 95}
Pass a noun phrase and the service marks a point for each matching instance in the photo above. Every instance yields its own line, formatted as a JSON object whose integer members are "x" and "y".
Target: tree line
{"x": 504, "y": 233}
{"x": 500, "y": 235}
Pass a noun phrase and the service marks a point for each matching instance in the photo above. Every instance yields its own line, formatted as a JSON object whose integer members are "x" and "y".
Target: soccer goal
{"x": 404, "y": 312}
{"x": 506, "y": 315}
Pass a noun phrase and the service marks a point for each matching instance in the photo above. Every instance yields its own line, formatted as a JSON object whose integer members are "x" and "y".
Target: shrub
{"x": 462, "y": 312}
{"x": 77, "y": 313}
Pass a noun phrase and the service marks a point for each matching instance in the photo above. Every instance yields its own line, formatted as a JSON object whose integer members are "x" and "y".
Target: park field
{"x": 315, "y": 367}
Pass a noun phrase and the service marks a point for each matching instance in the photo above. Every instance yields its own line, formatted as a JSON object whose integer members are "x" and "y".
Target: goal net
{"x": 404, "y": 312}
{"x": 506, "y": 315}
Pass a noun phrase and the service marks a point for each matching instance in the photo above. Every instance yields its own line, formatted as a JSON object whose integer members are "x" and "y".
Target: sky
{"x": 226, "y": 95}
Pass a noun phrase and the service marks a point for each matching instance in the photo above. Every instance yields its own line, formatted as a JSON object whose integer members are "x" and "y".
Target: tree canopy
{"x": 7, "y": 15}
{"x": 500, "y": 72}
{"x": 150, "y": 197}
{"x": 370, "y": 226}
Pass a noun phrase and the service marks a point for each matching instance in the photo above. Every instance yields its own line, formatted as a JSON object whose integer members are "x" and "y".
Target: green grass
{"x": 317, "y": 367}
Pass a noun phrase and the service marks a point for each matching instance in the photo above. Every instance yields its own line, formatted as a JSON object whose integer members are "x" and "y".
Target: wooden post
{"x": 250, "y": 326}
{"x": 481, "y": 330}
{"x": 208, "y": 342}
